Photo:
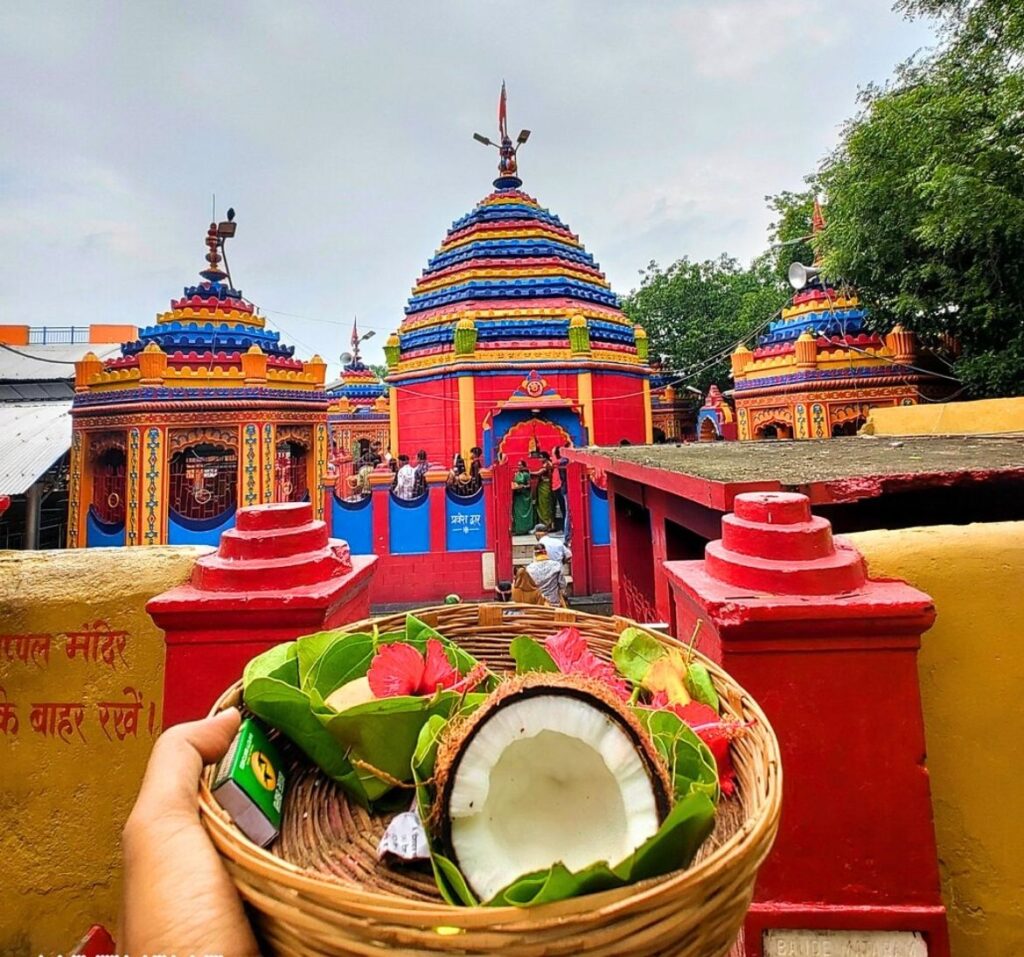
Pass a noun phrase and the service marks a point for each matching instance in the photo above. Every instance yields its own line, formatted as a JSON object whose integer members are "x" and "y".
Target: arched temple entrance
{"x": 202, "y": 493}
{"x": 291, "y": 483}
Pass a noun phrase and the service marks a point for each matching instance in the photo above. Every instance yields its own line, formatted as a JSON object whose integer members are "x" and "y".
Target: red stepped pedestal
{"x": 275, "y": 576}
{"x": 831, "y": 656}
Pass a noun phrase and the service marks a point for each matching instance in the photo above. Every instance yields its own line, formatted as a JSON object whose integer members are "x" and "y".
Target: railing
{"x": 57, "y": 335}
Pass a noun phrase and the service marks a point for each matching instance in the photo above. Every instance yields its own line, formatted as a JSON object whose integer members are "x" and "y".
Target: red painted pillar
{"x": 500, "y": 519}
{"x": 438, "y": 517}
{"x": 832, "y": 658}
{"x": 275, "y": 576}
{"x": 579, "y": 523}
{"x": 381, "y": 516}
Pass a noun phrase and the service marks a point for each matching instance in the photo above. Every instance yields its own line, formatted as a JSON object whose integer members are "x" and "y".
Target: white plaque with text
{"x": 844, "y": 943}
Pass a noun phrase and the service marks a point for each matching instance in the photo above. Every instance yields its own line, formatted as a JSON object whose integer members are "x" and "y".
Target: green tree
{"x": 790, "y": 234}
{"x": 926, "y": 195}
{"x": 696, "y": 312}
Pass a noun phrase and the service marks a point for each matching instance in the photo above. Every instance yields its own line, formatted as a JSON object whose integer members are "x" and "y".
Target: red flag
{"x": 501, "y": 113}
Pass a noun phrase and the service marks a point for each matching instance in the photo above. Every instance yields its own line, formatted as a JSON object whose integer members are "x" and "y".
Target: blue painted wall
{"x": 184, "y": 531}
{"x": 353, "y": 522}
{"x": 409, "y": 531}
{"x": 600, "y": 530}
{"x": 102, "y": 535}
{"x": 465, "y": 524}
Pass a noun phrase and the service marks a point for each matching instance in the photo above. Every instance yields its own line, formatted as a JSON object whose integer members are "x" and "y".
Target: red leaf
{"x": 397, "y": 669}
{"x": 438, "y": 671}
{"x": 570, "y": 652}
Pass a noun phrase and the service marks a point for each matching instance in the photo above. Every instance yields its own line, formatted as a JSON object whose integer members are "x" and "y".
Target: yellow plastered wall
{"x": 948, "y": 418}
{"x": 74, "y": 632}
{"x": 972, "y": 676}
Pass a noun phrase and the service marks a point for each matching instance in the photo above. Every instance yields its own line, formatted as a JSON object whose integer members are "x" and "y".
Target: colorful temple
{"x": 358, "y": 414}
{"x": 207, "y": 410}
{"x": 513, "y": 340}
{"x": 818, "y": 370}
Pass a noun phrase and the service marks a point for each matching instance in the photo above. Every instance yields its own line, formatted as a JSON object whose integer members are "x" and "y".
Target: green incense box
{"x": 249, "y": 783}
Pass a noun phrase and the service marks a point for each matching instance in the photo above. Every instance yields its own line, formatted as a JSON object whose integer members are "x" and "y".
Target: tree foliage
{"x": 926, "y": 204}
{"x": 696, "y": 312}
{"x": 790, "y": 234}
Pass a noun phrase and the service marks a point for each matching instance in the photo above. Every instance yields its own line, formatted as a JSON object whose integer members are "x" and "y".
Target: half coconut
{"x": 551, "y": 768}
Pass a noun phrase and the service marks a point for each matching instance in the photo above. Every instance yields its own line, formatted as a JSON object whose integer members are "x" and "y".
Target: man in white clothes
{"x": 557, "y": 550}
{"x": 405, "y": 480}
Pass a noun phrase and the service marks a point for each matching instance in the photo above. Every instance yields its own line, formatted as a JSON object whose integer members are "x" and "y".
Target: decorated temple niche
{"x": 358, "y": 414}
{"x": 716, "y": 419}
{"x": 818, "y": 370}
{"x": 205, "y": 412}
{"x": 671, "y": 411}
{"x": 512, "y": 339}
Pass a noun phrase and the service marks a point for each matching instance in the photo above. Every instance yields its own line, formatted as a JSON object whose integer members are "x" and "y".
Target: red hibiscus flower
{"x": 706, "y": 723}
{"x": 400, "y": 669}
{"x": 569, "y": 651}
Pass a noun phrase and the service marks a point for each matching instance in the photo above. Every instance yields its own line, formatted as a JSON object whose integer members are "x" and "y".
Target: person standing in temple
{"x": 421, "y": 468}
{"x": 559, "y": 484}
{"x": 405, "y": 480}
{"x": 545, "y": 496}
{"x": 522, "y": 500}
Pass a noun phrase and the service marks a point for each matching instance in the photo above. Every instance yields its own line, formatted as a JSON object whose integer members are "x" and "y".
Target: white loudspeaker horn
{"x": 346, "y": 358}
{"x": 800, "y": 275}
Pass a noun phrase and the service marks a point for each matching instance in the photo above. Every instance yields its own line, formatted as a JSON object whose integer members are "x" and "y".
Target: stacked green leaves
{"x": 367, "y": 748}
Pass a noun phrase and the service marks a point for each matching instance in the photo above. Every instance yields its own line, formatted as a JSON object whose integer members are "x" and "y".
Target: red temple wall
{"x": 618, "y": 409}
{"x": 428, "y": 418}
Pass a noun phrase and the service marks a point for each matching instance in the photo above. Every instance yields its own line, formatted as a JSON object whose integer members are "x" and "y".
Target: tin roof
{"x": 33, "y": 435}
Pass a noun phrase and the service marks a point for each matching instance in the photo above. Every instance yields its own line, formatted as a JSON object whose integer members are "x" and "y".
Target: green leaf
{"x": 635, "y": 652}
{"x": 700, "y": 685}
{"x": 689, "y": 759}
{"x": 285, "y": 707}
{"x": 530, "y": 655}
{"x": 276, "y": 662}
{"x": 451, "y": 883}
{"x": 311, "y": 647}
{"x": 672, "y": 847}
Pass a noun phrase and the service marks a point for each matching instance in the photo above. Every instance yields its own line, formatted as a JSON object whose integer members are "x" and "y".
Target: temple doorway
{"x": 108, "y": 486}
{"x": 773, "y": 430}
{"x": 708, "y": 432}
{"x": 290, "y": 472}
{"x": 849, "y": 427}
{"x": 203, "y": 483}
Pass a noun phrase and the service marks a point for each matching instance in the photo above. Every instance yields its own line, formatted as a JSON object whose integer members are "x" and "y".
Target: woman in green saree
{"x": 522, "y": 500}
{"x": 545, "y": 497}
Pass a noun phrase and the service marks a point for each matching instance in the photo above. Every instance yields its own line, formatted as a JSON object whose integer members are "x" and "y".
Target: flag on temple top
{"x": 817, "y": 217}
{"x": 501, "y": 112}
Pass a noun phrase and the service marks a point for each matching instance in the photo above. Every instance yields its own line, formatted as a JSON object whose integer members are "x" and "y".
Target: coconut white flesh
{"x": 545, "y": 779}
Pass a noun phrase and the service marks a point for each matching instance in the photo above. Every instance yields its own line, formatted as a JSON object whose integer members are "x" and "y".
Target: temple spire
{"x": 355, "y": 343}
{"x": 508, "y": 168}
{"x": 213, "y": 272}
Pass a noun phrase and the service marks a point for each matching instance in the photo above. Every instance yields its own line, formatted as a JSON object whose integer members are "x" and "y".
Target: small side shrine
{"x": 205, "y": 412}
{"x": 818, "y": 370}
{"x": 359, "y": 413}
{"x": 716, "y": 419}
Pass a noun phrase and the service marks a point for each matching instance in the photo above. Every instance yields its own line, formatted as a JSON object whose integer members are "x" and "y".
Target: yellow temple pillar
{"x": 585, "y": 389}
{"x": 467, "y": 415}
{"x": 393, "y": 419}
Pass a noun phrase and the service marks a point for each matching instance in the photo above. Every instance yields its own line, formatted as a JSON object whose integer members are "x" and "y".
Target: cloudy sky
{"x": 340, "y": 132}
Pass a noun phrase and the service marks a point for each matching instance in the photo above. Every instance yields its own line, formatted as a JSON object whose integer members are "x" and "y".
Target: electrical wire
{"x": 28, "y": 355}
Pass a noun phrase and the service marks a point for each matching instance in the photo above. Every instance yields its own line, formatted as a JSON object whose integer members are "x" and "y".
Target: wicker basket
{"x": 693, "y": 913}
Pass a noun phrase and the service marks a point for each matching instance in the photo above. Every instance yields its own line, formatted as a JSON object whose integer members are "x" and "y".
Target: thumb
{"x": 177, "y": 761}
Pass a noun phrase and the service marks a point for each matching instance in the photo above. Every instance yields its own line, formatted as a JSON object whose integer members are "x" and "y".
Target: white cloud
{"x": 341, "y": 134}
